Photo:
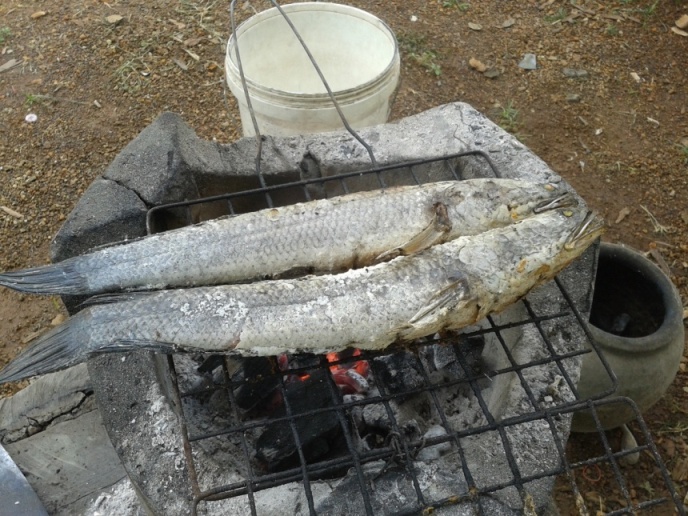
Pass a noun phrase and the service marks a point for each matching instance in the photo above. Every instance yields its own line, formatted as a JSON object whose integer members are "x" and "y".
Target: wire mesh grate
{"x": 393, "y": 449}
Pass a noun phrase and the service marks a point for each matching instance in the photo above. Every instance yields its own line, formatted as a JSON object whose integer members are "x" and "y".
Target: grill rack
{"x": 403, "y": 452}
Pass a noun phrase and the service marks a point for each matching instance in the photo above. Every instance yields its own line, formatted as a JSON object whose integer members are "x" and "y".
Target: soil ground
{"x": 96, "y": 73}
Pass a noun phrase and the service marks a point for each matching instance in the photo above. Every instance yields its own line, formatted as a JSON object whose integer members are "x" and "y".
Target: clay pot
{"x": 636, "y": 321}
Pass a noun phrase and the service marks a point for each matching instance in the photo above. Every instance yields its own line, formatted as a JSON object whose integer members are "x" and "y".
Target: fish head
{"x": 524, "y": 199}
{"x": 585, "y": 233}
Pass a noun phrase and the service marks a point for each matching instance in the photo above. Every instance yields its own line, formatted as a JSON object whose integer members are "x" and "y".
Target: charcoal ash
{"x": 435, "y": 451}
{"x": 393, "y": 491}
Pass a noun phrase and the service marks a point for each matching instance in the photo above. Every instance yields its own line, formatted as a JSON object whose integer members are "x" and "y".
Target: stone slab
{"x": 68, "y": 463}
{"x": 45, "y": 399}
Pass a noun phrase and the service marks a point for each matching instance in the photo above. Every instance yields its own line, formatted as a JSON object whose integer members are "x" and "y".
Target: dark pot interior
{"x": 626, "y": 302}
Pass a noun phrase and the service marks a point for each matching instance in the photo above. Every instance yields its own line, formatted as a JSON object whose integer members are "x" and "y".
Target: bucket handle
{"x": 259, "y": 137}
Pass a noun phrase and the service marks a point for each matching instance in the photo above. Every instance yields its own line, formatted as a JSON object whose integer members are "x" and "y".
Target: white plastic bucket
{"x": 356, "y": 51}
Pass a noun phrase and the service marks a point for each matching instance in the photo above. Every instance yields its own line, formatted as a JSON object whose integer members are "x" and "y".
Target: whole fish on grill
{"x": 328, "y": 235}
{"x": 448, "y": 286}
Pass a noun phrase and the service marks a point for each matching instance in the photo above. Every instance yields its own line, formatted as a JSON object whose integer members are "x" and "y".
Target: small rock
{"x": 414, "y": 18}
{"x": 636, "y": 77}
{"x": 492, "y": 73}
{"x": 682, "y": 22}
{"x": 97, "y": 104}
{"x": 670, "y": 448}
{"x": 509, "y": 22}
{"x": 38, "y": 14}
{"x": 574, "y": 73}
{"x": 573, "y": 97}
{"x": 31, "y": 118}
{"x": 529, "y": 62}
{"x": 477, "y": 65}
{"x": 475, "y": 26}
{"x": 113, "y": 19}
{"x": 623, "y": 213}
{"x": 58, "y": 319}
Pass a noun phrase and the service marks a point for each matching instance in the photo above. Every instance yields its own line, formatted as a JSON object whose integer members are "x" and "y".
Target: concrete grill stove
{"x": 459, "y": 423}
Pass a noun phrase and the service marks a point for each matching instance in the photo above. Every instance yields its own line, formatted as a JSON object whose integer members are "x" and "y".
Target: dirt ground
{"x": 614, "y": 125}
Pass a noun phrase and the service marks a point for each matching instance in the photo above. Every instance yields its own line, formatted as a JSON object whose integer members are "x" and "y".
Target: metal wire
{"x": 249, "y": 104}
{"x": 402, "y": 456}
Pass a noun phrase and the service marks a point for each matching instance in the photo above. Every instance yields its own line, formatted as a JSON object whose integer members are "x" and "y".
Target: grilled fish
{"x": 448, "y": 286}
{"x": 319, "y": 236}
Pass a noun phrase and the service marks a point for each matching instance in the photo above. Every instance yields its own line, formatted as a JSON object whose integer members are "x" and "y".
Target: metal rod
{"x": 348, "y": 127}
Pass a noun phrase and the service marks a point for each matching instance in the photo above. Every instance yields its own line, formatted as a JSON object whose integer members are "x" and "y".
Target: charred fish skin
{"x": 323, "y": 236}
{"x": 448, "y": 286}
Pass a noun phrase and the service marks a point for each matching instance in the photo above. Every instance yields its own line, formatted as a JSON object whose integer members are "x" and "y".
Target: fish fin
{"x": 156, "y": 346}
{"x": 117, "y": 297}
{"x": 433, "y": 233}
{"x": 57, "y": 278}
{"x": 65, "y": 346}
{"x": 566, "y": 200}
{"x": 432, "y": 316}
{"x": 122, "y": 345}
{"x": 446, "y": 299}
{"x": 57, "y": 349}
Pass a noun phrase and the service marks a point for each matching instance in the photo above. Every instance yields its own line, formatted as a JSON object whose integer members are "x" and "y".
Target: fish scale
{"x": 448, "y": 286}
{"x": 323, "y": 236}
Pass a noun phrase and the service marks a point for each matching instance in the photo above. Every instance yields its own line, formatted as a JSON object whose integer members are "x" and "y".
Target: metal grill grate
{"x": 397, "y": 452}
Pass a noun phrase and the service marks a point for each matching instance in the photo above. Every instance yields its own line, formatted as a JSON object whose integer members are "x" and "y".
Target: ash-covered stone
{"x": 456, "y": 360}
{"x": 434, "y": 452}
{"x": 393, "y": 491}
{"x": 399, "y": 373}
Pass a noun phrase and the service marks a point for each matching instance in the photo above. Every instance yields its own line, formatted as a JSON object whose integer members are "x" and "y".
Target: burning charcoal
{"x": 399, "y": 373}
{"x": 350, "y": 375}
{"x": 319, "y": 433}
{"x": 287, "y": 362}
{"x": 350, "y": 382}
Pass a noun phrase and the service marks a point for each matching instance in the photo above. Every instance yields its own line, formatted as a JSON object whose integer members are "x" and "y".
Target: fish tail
{"x": 58, "y": 278}
{"x": 60, "y": 348}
